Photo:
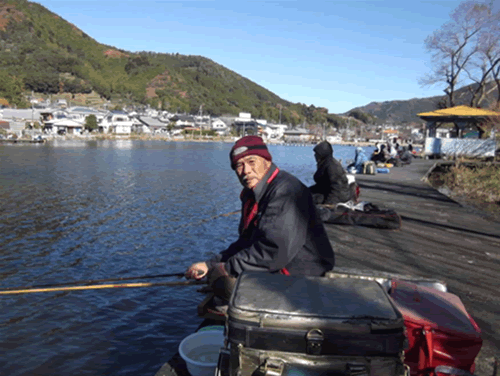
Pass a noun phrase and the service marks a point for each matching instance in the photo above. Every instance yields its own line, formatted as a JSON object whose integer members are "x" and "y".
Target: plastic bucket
{"x": 200, "y": 351}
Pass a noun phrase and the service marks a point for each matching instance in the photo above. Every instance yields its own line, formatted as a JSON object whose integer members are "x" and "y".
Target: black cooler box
{"x": 301, "y": 325}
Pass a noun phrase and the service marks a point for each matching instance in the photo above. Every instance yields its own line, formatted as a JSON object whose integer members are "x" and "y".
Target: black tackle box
{"x": 314, "y": 315}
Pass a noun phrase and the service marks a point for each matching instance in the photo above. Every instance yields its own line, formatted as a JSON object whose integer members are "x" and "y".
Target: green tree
{"x": 91, "y": 123}
{"x": 11, "y": 88}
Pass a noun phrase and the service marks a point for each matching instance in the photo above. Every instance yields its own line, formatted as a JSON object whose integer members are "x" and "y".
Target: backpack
{"x": 442, "y": 337}
{"x": 369, "y": 168}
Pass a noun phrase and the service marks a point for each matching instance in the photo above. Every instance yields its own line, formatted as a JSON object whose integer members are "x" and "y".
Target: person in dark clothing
{"x": 405, "y": 156}
{"x": 279, "y": 230}
{"x": 380, "y": 155}
{"x": 331, "y": 181}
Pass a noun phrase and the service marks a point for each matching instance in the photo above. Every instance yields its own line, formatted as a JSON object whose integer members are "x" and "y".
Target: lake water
{"x": 76, "y": 210}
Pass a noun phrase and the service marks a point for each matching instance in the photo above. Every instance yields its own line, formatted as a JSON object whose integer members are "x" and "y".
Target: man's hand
{"x": 216, "y": 272}
{"x": 197, "y": 271}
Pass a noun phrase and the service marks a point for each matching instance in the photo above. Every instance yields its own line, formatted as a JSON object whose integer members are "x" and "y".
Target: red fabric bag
{"x": 440, "y": 332}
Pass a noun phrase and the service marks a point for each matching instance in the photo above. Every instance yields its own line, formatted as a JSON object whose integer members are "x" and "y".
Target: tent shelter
{"x": 462, "y": 117}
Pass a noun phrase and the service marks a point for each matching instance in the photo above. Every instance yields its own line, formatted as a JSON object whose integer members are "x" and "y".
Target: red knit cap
{"x": 248, "y": 145}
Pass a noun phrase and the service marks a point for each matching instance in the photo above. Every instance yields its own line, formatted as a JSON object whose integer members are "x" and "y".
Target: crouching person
{"x": 279, "y": 230}
{"x": 331, "y": 184}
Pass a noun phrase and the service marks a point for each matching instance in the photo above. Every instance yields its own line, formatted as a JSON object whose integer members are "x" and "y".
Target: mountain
{"x": 42, "y": 53}
{"x": 50, "y": 55}
{"x": 405, "y": 111}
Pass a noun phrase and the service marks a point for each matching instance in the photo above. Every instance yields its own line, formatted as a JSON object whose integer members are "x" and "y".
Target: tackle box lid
{"x": 311, "y": 297}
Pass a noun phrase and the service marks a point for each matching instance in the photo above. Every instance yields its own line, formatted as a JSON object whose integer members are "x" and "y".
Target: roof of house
{"x": 297, "y": 131}
{"x": 84, "y": 110}
{"x": 66, "y": 123}
{"x": 183, "y": 118}
{"x": 152, "y": 122}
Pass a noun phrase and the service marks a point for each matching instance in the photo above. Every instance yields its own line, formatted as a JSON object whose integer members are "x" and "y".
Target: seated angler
{"x": 279, "y": 230}
{"x": 405, "y": 156}
{"x": 332, "y": 186}
{"x": 380, "y": 155}
{"x": 359, "y": 159}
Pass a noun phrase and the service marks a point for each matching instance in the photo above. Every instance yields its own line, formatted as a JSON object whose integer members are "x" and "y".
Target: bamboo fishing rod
{"x": 94, "y": 281}
{"x": 66, "y": 286}
{"x": 98, "y": 287}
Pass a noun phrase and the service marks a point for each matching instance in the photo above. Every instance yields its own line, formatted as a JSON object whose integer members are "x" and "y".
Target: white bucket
{"x": 200, "y": 351}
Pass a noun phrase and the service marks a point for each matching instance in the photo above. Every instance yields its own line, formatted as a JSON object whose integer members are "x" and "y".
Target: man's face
{"x": 251, "y": 169}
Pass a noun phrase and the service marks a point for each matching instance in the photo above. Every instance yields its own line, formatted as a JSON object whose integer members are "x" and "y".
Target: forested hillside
{"x": 406, "y": 111}
{"x": 43, "y": 53}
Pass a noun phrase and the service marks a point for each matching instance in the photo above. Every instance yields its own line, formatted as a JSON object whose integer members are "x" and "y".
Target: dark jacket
{"x": 330, "y": 177}
{"x": 405, "y": 156}
{"x": 380, "y": 155}
{"x": 285, "y": 233}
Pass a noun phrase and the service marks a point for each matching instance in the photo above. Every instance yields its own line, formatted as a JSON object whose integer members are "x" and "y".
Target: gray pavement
{"x": 439, "y": 238}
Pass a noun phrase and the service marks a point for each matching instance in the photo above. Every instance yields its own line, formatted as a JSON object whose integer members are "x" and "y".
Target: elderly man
{"x": 279, "y": 231}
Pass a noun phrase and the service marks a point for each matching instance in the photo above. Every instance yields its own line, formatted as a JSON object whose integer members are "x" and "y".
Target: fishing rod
{"x": 93, "y": 281}
{"x": 60, "y": 286}
{"x": 97, "y": 287}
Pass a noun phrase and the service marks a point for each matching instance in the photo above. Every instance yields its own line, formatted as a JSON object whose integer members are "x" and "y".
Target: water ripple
{"x": 90, "y": 210}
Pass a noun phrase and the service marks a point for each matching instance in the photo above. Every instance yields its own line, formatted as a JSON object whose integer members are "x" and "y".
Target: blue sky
{"x": 333, "y": 54}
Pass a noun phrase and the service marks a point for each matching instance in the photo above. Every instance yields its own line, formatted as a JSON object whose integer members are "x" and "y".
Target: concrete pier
{"x": 439, "y": 238}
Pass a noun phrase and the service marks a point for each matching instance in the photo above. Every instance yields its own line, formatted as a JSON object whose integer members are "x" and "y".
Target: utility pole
{"x": 201, "y": 118}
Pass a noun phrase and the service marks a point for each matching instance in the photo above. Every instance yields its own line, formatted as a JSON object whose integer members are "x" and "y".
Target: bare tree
{"x": 489, "y": 47}
{"x": 486, "y": 66}
{"x": 455, "y": 46}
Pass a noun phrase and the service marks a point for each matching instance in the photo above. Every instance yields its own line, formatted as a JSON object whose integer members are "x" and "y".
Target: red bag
{"x": 440, "y": 332}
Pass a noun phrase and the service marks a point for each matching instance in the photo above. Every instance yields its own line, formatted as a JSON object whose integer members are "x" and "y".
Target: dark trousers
{"x": 223, "y": 287}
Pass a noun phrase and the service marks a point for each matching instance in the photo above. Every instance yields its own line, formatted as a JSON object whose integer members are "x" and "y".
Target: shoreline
{"x": 100, "y": 137}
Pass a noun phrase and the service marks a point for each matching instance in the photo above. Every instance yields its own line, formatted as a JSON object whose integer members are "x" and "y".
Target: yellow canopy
{"x": 460, "y": 111}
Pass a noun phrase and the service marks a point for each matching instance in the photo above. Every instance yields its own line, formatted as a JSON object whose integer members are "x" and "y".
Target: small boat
{"x": 426, "y": 335}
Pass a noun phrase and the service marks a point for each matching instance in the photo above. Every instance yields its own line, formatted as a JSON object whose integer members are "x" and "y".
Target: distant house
{"x": 49, "y": 116}
{"x": 390, "y": 133}
{"x": 61, "y": 103}
{"x": 117, "y": 122}
{"x": 245, "y": 128}
{"x": 183, "y": 121}
{"x": 334, "y": 139}
{"x": 219, "y": 126}
{"x": 298, "y": 135}
{"x": 81, "y": 113}
{"x": 244, "y": 117}
{"x": 153, "y": 125}
{"x": 274, "y": 131}
{"x": 63, "y": 126}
